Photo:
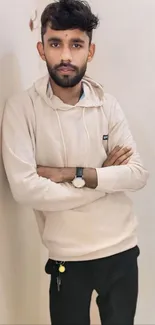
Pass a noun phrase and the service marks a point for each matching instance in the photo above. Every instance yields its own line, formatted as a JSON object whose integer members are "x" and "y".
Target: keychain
{"x": 62, "y": 268}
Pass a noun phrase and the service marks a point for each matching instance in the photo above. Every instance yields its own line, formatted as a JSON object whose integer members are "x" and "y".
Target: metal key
{"x": 59, "y": 282}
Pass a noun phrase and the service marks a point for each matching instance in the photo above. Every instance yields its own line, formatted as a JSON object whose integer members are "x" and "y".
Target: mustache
{"x": 65, "y": 65}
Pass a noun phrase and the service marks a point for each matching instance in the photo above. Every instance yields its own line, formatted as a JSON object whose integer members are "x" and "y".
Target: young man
{"x": 69, "y": 154}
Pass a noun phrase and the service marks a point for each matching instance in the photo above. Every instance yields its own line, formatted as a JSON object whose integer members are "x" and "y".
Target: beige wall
{"x": 125, "y": 64}
{"x": 21, "y": 272}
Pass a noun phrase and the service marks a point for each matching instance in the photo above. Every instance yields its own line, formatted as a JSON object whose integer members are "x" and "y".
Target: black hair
{"x": 69, "y": 14}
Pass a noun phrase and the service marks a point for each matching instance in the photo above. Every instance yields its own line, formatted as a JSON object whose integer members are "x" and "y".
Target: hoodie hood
{"x": 93, "y": 94}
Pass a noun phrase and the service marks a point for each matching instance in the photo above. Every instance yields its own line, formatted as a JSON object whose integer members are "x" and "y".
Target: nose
{"x": 66, "y": 55}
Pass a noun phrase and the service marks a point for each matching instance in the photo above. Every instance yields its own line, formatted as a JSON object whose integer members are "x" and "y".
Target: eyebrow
{"x": 77, "y": 40}
{"x": 54, "y": 39}
{"x": 73, "y": 40}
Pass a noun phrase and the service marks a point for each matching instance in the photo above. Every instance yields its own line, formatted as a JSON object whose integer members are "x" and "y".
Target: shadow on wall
{"x": 20, "y": 242}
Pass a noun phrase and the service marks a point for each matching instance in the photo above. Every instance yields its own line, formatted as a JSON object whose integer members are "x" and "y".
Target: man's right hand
{"x": 118, "y": 156}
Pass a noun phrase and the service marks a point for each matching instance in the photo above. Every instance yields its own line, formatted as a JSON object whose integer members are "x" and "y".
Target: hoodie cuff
{"x": 107, "y": 178}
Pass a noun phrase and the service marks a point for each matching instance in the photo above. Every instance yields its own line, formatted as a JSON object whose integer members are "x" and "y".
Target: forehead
{"x": 66, "y": 35}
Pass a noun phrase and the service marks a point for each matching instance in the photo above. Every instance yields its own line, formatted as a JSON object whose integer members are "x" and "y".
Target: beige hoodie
{"x": 39, "y": 129}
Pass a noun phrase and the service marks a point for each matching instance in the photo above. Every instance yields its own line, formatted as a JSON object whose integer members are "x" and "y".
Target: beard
{"x": 66, "y": 81}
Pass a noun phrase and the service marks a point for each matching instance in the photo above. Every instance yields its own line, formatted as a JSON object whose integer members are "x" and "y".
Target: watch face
{"x": 78, "y": 182}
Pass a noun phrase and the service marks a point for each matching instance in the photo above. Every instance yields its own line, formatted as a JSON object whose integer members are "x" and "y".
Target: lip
{"x": 66, "y": 69}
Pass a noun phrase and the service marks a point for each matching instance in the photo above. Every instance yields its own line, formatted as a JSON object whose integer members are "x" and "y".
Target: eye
{"x": 55, "y": 45}
{"x": 77, "y": 46}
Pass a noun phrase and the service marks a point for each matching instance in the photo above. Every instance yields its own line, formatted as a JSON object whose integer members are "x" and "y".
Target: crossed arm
{"x": 118, "y": 156}
{"x": 49, "y": 189}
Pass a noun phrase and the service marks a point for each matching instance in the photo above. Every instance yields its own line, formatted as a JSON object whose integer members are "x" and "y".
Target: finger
{"x": 123, "y": 151}
{"x": 115, "y": 154}
{"x": 107, "y": 162}
{"x": 125, "y": 162}
{"x": 114, "y": 151}
{"x": 112, "y": 156}
{"x": 122, "y": 158}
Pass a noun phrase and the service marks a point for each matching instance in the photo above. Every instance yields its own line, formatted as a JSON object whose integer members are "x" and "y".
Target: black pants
{"x": 115, "y": 280}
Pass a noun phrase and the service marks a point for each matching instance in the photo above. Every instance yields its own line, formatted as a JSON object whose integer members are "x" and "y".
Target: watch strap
{"x": 79, "y": 172}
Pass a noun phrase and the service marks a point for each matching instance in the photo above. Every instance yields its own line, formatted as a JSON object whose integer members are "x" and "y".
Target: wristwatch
{"x": 78, "y": 181}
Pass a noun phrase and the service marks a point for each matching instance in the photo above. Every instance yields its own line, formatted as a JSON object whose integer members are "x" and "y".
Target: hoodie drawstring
{"x": 63, "y": 139}
{"x": 88, "y": 135}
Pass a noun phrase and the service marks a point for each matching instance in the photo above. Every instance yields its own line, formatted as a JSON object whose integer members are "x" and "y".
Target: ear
{"x": 91, "y": 52}
{"x": 40, "y": 49}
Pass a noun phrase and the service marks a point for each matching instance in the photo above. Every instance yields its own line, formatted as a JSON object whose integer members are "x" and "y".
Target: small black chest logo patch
{"x": 105, "y": 137}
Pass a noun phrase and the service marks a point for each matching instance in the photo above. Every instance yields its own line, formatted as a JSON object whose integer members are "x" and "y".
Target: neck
{"x": 70, "y": 95}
